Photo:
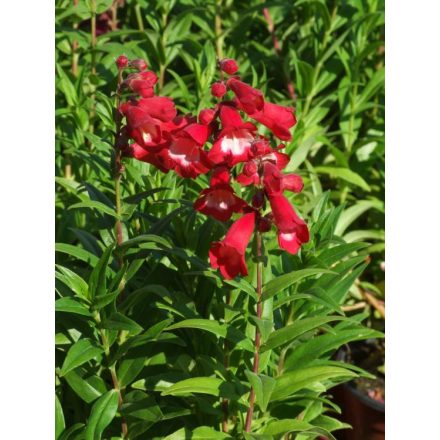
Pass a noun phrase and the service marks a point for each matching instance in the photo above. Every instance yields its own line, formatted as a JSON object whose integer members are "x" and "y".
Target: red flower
{"x": 277, "y": 118}
{"x": 185, "y": 153}
{"x": 292, "y": 231}
{"x": 275, "y": 182}
{"x": 218, "y": 89}
{"x": 228, "y": 66}
{"x": 141, "y": 83}
{"x": 219, "y": 200}
{"x": 234, "y": 142}
{"x": 147, "y": 117}
{"x": 249, "y": 99}
{"x": 228, "y": 254}
{"x": 159, "y": 158}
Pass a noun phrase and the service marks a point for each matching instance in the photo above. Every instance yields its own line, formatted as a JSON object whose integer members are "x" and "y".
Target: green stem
{"x": 257, "y": 342}
{"x": 113, "y": 374}
{"x": 218, "y": 29}
{"x": 225, "y": 402}
{"x": 118, "y": 168}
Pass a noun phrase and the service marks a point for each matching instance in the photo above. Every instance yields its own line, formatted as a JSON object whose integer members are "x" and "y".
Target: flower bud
{"x": 139, "y": 64}
{"x": 250, "y": 168}
{"x": 259, "y": 148}
{"x": 122, "y": 62}
{"x": 258, "y": 200}
{"x": 206, "y": 116}
{"x": 218, "y": 89}
{"x": 264, "y": 224}
{"x": 229, "y": 66}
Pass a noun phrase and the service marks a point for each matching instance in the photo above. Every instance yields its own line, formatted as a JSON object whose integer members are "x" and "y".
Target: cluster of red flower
{"x": 176, "y": 142}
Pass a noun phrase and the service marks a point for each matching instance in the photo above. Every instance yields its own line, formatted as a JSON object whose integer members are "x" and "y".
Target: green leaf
{"x": 282, "y": 282}
{"x": 60, "y": 424}
{"x": 93, "y": 204}
{"x": 97, "y": 280}
{"x": 344, "y": 174}
{"x": 354, "y": 212}
{"x": 203, "y": 385}
{"x": 79, "y": 353}
{"x": 336, "y": 253}
{"x": 118, "y": 321}
{"x": 77, "y": 252}
{"x": 221, "y": 330}
{"x": 146, "y": 238}
{"x": 285, "y": 426}
{"x": 73, "y": 281}
{"x": 287, "y": 334}
{"x": 314, "y": 348}
{"x": 68, "y": 433}
{"x": 103, "y": 412}
{"x": 87, "y": 388}
{"x": 71, "y": 305}
{"x": 293, "y": 381}
{"x": 200, "y": 433}
{"x": 129, "y": 369}
{"x": 66, "y": 87}
{"x": 263, "y": 386}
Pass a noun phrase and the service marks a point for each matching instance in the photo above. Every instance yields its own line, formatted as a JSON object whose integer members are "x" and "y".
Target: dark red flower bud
{"x": 258, "y": 200}
{"x": 264, "y": 224}
{"x": 206, "y": 116}
{"x": 260, "y": 147}
{"x": 139, "y": 64}
{"x": 229, "y": 66}
{"x": 218, "y": 89}
{"x": 250, "y": 168}
{"x": 122, "y": 62}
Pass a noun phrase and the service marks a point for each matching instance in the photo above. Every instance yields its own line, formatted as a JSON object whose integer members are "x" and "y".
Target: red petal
{"x": 220, "y": 175}
{"x": 240, "y": 232}
{"x": 293, "y": 182}
{"x": 250, "y": 100}
{"x": 277, "y": 118}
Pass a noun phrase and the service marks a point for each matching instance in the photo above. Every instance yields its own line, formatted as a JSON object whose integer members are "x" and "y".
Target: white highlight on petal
{"x": 287, "y": 236}
{"x": 146, "y": 137}
{"x": 235, "y": 146}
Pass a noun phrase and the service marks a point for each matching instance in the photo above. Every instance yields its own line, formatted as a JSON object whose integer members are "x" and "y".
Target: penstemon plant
{"x": 159, "y": 344}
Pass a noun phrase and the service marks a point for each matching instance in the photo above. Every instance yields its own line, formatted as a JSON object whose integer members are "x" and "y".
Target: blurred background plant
{"x": 325, "y": 58}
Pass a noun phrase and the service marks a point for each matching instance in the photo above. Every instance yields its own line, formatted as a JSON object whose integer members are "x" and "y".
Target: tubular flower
{"x": 275, "y": 182}
{"x": 185, "y": 152}
{"x": 219, "y": 200}
{"x": 147, "y": 117}
{"x": 277, "y": 118}
{"x": 228, "y": 255}
{"x": 249, "y": 99}
{"x": 292, "y": 231}
{"x": 234, "y": 141}
{"x": 218, "y": 89}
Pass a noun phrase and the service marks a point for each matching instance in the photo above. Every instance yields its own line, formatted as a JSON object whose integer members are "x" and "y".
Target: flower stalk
{"x": 257, "y": 341}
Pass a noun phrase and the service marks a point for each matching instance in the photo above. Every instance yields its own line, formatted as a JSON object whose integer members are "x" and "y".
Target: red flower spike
{"x": 229, "y": 66}
{"x": 292, "y": 231}
{"x": 277, "y": 118}
{"x": 218, "y": 89}
{"x": 249, "y": 99}
{"x": 122, "y": 62}
{"x": 228, "y": 254}
{"x": 139, "y": 64}
{"x": 206, "y": 116}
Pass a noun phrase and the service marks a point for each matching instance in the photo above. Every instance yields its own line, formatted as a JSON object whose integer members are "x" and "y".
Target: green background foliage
{"x": 177, "y": 337}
